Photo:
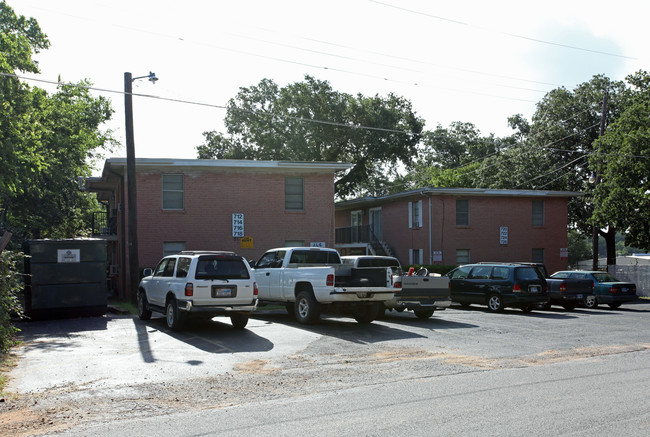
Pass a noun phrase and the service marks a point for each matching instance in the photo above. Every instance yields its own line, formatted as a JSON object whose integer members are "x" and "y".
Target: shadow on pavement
{"x": 340, "y": 327}
{"x": 214, "y": 336}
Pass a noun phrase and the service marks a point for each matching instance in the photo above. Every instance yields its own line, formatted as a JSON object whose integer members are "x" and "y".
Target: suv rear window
{"x": 528, "y": 274}
{"x": 220, "y": 267}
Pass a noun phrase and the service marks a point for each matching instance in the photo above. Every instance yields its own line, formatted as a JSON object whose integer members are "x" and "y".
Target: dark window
{"x": 183, "y": 267}
{"x": 315, "y": 257}
{"x": 528, "y": 274}
{"x": 500, "y": 273}
{"x": 481, "y": 272}
{"x": 461, "y": 272}
{"x": 294, "y": 193}
{"x": 462, "y": 212}
{"x": 538, "y": 213}
{"x": 538, "y": 256}
{"x": 169, "y": 268}
{"x": 271, "y": 260}
{"x": 221, "y": 267}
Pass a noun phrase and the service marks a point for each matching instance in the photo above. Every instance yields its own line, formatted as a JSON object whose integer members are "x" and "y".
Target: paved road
{"x": 462, "y": 372}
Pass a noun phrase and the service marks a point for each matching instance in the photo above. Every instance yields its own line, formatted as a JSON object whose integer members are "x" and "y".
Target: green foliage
{"x": 623, "y": 163}
{"x": 10, "y": 286}
{"x": 310, "y": 121}
{"x": 47, "y": 141}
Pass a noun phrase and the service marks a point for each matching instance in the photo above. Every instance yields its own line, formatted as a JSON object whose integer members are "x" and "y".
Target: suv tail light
{"x": 189, "y": 289}
{"x": 255, "y": 289}
{"x": 563, "y": 286}
{"x": 330, "y": 280}
{"x": 398, "y": 284}
{"x": 516, "y": 288}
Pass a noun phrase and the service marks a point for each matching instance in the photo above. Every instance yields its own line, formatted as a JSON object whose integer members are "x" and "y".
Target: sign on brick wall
{"x": 503, "y": 235}
{"x": 238, "y": 225}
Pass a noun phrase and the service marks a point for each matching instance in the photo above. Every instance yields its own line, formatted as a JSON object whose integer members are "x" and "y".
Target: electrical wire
{"x": 513, "y": 35}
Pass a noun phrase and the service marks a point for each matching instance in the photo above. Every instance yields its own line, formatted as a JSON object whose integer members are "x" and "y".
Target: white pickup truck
{"x": 311, "y": 280}
{"x": 420, "y": 291}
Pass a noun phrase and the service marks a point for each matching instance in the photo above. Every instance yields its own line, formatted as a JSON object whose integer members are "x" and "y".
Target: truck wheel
{"x": 494, "y": 303}
{"x": 591, "y": 302}
{"x": 173, "y": 317}
{"x": 239, "y": 321}
{"x": 423, "y": 313}
{"x": 307, "y": 309}
{"x": 144, "y": 313}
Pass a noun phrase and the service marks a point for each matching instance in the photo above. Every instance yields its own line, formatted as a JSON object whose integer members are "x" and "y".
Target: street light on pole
{"x": 134, "y": 267}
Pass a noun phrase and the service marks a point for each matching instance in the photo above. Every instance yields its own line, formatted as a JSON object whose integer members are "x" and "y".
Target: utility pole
{"x": 132, "y": 225}
{"x": 594, "y": 236}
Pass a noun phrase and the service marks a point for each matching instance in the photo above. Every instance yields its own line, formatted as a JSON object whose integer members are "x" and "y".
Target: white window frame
{"x": 290, "y": 197}
{"x": 539, "y": 214}
{"x": 415, "y": 215}
{"x": 181, "y": 191}
{"x": 416, "y": 253}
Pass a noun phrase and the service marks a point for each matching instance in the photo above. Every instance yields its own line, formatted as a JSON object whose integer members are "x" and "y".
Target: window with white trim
{"x": 538, "y": 213}
{"x": 462, "y": 212}
{"x": 415, "y": 214}
{"x": 416, "y": 256}
{"x": 172, "y": 192}
{"x": 294, "y": 193}
{"x": 462, "y": 256}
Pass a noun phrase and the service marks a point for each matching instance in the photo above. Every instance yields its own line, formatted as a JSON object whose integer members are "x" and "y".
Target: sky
{"x": 464, "y": 60}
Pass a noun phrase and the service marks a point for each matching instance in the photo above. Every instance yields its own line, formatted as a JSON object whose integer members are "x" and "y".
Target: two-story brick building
{"x": 196, "y": 204}
{"x": 457, "y": 225}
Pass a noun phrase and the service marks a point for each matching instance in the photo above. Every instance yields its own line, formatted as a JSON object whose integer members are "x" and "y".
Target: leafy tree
{"x": 623, "y": 163}
{"x": 47, "y": 140}
{"x": 310, "y": 121}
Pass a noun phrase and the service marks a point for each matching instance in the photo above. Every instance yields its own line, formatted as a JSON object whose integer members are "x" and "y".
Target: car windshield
{"x": 604, "y": 277}
{"x": 215, "y": 267}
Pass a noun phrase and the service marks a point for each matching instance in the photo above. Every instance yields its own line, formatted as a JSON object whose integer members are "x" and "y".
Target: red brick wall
{"x": 210, "y": 199}
{"x": 481, "y": 237}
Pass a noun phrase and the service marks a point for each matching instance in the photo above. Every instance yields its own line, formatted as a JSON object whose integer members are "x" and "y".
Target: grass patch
{"x": 7, "y": 362}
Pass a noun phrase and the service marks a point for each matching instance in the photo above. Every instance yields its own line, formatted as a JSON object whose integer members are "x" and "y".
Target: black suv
{"x": 498, "y": 285}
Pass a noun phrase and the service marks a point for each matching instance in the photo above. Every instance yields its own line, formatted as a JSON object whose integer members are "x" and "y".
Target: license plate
{"x": 221, "y": 292}
{"x": 362, "y": 295}
{"x": 579, "y": 296}
{"x": 534, "y": 289}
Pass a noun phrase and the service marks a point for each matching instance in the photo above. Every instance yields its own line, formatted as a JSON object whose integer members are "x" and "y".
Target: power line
{"x": 513, "y": 35}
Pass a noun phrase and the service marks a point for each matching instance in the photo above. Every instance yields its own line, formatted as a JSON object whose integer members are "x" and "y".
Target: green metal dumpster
{"x": 65, "y": 278}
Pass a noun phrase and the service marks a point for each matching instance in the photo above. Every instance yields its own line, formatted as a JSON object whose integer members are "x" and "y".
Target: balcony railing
{"x": 355, "y": 234}
{"x": 102, "y": 224}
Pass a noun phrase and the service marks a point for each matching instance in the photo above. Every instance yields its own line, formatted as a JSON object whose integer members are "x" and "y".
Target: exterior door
{"x": 375, "y": 223}
{"x": 355, "y": 226}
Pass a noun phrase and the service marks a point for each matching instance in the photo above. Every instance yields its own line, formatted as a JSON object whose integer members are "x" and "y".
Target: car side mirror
{"x": 147, "y": 272}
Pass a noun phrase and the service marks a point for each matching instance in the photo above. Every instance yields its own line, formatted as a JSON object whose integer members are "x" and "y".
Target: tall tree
{"x": 310, "y": 121}
{"x": 46, "y": 140}
{"x": 622, "y": 162}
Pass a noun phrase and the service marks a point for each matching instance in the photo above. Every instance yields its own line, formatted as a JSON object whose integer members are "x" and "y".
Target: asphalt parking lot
{"x": 117, "y": 351}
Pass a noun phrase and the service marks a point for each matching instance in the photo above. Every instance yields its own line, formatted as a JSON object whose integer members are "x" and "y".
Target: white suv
{"x": 201, "y": 283}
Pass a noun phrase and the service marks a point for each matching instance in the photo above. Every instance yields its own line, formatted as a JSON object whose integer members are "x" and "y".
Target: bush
{"x": 11, "y": 284}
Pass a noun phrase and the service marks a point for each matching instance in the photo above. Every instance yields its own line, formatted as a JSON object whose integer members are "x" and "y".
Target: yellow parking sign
{"x": 246, "y": 243}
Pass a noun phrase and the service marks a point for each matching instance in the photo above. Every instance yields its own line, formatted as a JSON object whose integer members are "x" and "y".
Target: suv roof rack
{"x": 206, "y": 252}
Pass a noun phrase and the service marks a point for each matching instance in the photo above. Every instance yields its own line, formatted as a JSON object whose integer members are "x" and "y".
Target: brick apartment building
{"x": 455, "y": 226}
{"x": 195, "y": 204}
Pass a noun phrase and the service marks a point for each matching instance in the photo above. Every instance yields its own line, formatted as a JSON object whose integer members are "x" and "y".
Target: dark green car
{"x": 498, "y": 285}
{"x": 607, "y": 289}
